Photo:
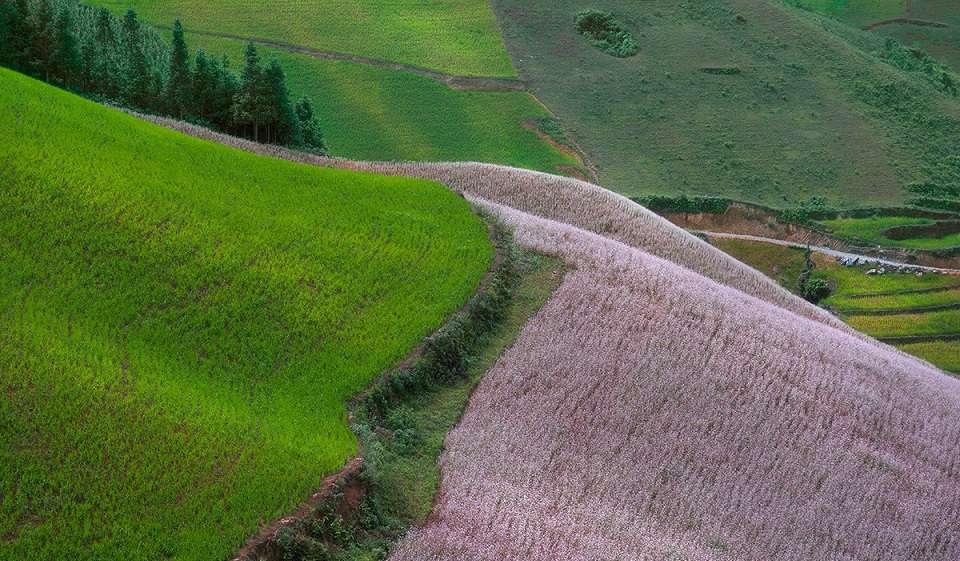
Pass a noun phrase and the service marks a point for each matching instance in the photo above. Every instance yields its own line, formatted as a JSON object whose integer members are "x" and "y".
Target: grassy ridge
{"x": 457, "y": 37}
{"x": 181, "y": 324}
{"x": 755, "y": 101}
{"x": 371, "y": 113}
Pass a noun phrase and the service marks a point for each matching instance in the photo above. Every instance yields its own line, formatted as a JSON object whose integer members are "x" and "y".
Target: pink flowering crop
{"x": 650, "y": 413}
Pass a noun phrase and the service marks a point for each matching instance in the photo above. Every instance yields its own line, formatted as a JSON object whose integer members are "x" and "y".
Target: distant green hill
{"x": 181, "y": 324}
{"x": 753, "y": 100}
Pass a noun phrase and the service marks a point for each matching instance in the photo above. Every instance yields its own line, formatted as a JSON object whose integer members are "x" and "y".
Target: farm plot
{"x": 755, "y": 101}
{"x": 646, "y": 412}
{"x": 874, "y": 230}
{"x": 182, "y": 323}
{"x": 374, "y": 113}
{"x": 453, "y": 36}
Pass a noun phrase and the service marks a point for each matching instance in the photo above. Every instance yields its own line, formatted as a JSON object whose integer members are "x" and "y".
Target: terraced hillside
{"x": 182, "y": 323}
{"x": 920, "y": 315}
{"x": 753, "y": 100}
{"x": 457, "y": 37}
{"x": 381, "y": 108}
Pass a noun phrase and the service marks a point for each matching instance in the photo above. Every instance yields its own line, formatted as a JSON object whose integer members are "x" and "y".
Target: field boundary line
{"x": 905, "y": 21}
{"x": 897, "y": 311}
{"x": 456, "y": 82}
{"x": 905, "y": 291}
{"x": 905, "y": 339}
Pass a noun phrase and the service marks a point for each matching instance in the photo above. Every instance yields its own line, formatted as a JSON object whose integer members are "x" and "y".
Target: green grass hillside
{"x": 932, "y": 25}
{"x": 753, "y": 100}
{"x": 181, "y": 325}
{"x": 453, "y": 36}
{"x": 371, "y": 113}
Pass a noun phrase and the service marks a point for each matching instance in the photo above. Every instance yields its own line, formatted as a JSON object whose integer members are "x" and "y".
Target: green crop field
{"x": 945, "y": 354}
{"x": 871, "y": 230}
{"x": 372, "y": 113}
{"x": 902, "y": 325}
{"x": 756, "y": 101}
{"x": 892, "y": 301}
{"x": 181, "y": 325}
{"x": 453, "y": 36}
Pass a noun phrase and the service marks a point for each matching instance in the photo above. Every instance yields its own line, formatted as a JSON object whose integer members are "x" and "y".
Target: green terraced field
{"x": 453, "y": 36}
{"x": 945, "y": 354}
{"x": 856, "y": 12}
{"x": 755, "y": 101}
{"x": 871, "y": 230}
{"x": 181, "y": 324}
{"x": 894, "y": 301}
{"x": 902, "y": 325}
{"x": 372, "y": 113}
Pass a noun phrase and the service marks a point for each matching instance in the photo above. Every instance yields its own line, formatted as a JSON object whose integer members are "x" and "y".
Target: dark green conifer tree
{"x": 136, "y": 84}
{"x": 310, "y": 136}
{"x": 44, "y": 41}
{"x": 104, "y": 68}
{"x": 284, "y": 125}
{"x": 179, "y": 82}
{"x": 203, "y": 85}
{"x": 65, "y": 63}
{"x": 249, "y": 105}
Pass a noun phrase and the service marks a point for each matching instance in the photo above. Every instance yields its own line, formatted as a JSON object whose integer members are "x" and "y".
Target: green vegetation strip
{"x": 459, "y": 37}
{"x": 403, "y": 422}
{"x": 873, "y": 229}
{"x": 945, "y": 354}
{"x": 909, "y": 325}
{"x": 182, "y": 324}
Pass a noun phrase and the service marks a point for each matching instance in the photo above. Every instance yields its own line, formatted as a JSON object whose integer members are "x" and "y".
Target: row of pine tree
{"x": 121, "y": 60}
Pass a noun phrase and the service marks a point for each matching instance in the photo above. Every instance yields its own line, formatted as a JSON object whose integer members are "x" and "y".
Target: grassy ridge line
{"x": 457, "y": 37}
{"x": 182, "y": 324}
{"x": 563, "y": 199}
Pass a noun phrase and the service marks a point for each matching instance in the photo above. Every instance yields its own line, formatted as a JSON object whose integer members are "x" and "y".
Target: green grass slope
{"x": 942, "y": 40}
{"x": 754, "y": 100}
{"x": 453, "y": 36}
{"x": 371, "y": 113}
{"x": 181, "y": 324}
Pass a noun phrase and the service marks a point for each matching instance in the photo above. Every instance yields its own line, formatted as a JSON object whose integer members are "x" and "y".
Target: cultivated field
{"x": 873, "y": 229}
{"x": 756, "y": 101}
{"x": 649, "y": 413}
{"x": 372, "y": 113}
{"x": 181, "y": 325}
{"x": 453, "y": 36}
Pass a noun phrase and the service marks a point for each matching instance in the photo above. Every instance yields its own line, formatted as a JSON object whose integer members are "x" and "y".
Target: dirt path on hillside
{"x": 828, "y": 251}
{"x": 464, "y": 83}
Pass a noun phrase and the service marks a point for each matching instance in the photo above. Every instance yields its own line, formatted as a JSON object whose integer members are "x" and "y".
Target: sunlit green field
{"x": 181, "y": 325}
{"x": 373, "y": 113}
{"x": 453, "y": 36}
{"x": 871, "y": 229}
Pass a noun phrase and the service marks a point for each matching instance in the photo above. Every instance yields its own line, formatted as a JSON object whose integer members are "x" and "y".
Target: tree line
{"x": 121, "y": 60}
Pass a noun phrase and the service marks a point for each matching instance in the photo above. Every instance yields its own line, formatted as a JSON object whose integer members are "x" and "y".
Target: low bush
{"x": 606, "y": 33}
{"x": 659, "y": 203}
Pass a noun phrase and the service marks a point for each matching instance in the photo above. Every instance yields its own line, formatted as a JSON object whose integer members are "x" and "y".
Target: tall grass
{"x": 181, "y": 325}
{"x": 649, "y": 413}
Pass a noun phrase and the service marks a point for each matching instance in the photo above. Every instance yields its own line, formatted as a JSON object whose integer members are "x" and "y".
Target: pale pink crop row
{"x": 670, "y": 403}
{"x": 649, "y": 413}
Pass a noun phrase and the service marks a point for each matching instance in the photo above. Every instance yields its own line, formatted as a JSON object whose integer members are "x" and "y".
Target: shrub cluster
{"x": 123, "y": 61}
{"x": 918, "y": 62}
{"x": 660, "y": 203}
{"x": 606, "y": 33}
